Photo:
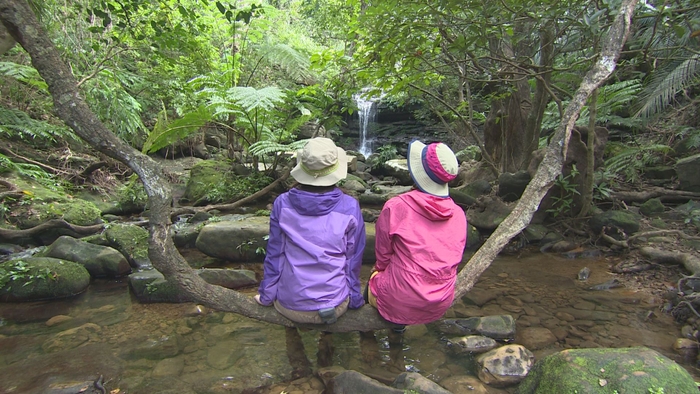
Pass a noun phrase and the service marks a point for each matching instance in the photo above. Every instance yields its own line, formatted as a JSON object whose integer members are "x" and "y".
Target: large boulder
{"x": 244, "y": 240}
{"x": 41, "y": 278}
{"x": 512, "y": 186}
{"x": 131, "y": 241}
{"x": 622, "y": 370}
{"x": 100, "y": 261}
{"x": 687, "y": 170}
{"x": 615, "y": 222}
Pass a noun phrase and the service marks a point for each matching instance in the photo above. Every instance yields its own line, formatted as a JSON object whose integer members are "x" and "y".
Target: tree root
{"x": 14, "y": 235}
{"x": 690, "y": 262}
{"x": 665, "y": 195}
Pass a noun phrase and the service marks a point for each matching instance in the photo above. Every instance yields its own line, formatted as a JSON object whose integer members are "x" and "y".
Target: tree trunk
{"x": 24, "y": 27}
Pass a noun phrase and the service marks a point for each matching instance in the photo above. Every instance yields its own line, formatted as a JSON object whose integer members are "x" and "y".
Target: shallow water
{"x": 148, "y": 348}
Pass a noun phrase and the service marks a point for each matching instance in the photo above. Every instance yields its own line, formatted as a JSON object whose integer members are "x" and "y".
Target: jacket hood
{"x": 314, "y": 204}
{"x": 429, "y": 206}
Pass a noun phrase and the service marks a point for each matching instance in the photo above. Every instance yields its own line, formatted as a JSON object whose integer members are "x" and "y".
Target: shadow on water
{"x": 148, "y": 348}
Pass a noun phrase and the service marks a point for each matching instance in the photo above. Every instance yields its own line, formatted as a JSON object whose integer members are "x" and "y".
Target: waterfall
{"x": 367, "y": 113}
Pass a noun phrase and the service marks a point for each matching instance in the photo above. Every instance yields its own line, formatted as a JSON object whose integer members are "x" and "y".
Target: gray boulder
{"x": 622, "y": 370}
{"x": 236, "y": 240}
{"x": 100, "y": 261}
{"x": 353, "y": 382}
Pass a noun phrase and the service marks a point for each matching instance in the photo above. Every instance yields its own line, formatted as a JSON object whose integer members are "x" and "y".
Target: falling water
{"x": 367, "y": 113}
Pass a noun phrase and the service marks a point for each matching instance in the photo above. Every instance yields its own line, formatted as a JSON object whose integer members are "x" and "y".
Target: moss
{"x": 131, "y": 240}
{"x": 42, "y": 204}
{"x": 203, "y": 176}
{"x": 41, "y": 278}
{"x": 629, "y": 370}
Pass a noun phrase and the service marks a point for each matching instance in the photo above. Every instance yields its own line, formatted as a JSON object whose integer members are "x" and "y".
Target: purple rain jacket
{"x": 314, "y": 252}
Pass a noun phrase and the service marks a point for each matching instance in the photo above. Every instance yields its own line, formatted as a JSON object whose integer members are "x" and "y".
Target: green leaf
{"x": 165, "y": 133}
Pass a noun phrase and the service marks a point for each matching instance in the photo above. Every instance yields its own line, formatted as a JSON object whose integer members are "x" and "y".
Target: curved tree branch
{"x": 22, "y": 24}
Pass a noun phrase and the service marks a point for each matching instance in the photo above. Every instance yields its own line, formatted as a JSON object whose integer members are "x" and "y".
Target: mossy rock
{"x": 131, "y": 241}
{"x": 203, "y": 176}
{"x": 41, "y": 278}
{"x": 624, "y": 220}
{"x": 603, "y": 370}
{"x": 72, "y": 210}
{"x": 652, "y": 207}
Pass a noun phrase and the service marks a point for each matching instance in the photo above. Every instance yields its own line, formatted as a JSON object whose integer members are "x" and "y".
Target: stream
{"x": 64, "y": 346}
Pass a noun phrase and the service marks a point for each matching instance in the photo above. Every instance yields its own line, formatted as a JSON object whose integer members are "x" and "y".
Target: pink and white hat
{"x": 432, "y": 167}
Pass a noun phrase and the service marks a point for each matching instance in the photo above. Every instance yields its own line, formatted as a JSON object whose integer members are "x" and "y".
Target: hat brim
{"x": 420, "y": 177}
{"x": 331, "y": 179}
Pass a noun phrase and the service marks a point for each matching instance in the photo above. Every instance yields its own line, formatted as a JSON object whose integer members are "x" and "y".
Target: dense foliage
{"x": 160, "y": 72}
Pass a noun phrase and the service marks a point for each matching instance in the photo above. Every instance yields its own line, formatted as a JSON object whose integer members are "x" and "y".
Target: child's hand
{"x": 257, "y": 299}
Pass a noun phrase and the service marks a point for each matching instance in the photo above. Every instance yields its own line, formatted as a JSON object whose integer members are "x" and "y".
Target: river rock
{"x": 512, "y": 185}
{"x": 505, "y": 366}
{"x": 71, "y": 338}
{"x": 100, "y": 261}
{"x": 43, "y": 278}
{"x": 501, "y": 327}
{"x": 353, "y": 382}
{"x": 535, "y": 338}
{"x": 471, "y": 344}
{"x": 415, "y": 382}
{"x": 625, "y": 221}
{"x": 464, "y": 384}
{"x": 621, "y": 370}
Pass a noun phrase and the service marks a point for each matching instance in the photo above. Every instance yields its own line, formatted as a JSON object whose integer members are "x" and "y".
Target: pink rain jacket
{"x": 420, "y": 240}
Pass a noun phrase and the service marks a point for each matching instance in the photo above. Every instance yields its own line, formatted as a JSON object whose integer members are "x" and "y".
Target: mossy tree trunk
{"x": 24, "y": 27}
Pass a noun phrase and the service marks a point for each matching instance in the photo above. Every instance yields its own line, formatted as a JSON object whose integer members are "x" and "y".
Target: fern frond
{"x": 165, "y": 133}
{"x": 15, "y": 123}
{"x": 24, "y": 74}
{"x": 665, "y": 85}
{"x": 630, "y": 161}
{"x": 267, "y": 147}
{"x": 251, "y": 99}
{"x": 294, "y": 63}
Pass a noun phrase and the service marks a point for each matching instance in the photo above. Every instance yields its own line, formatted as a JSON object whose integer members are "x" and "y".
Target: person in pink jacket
{"x": 420, "y": 240}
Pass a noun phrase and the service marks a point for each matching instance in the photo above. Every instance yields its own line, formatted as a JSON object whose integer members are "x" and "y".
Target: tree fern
{"x": 165, "y": 132}
{"x": 250, "y": 99}
{"x": 667, "y": 83}
{"x": 296, "y": 65}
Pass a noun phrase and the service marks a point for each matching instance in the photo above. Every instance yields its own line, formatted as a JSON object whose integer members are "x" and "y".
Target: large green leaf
{"x": 165, "y": 133}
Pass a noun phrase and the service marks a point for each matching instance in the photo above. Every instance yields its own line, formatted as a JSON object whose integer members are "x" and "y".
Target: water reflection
{"x": 141, "y": 348}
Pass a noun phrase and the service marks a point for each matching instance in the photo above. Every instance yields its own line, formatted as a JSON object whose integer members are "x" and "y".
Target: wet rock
{"x": 169, "y": 367}
{"x": 464, "y": 384}
{"x": 481, "y": 297}
{"x": 100, "y": 261}
{"x": 353, "y": 382}
{"x": 415, "y": 382}
{"x": 58, "y": 319}
{"x": 584, "y": 273}
{"x": 500, "y": 327}
{"x": 505, "y": 366}
{"x": 471, "y": 344}
{"x": 152, "y": 348}
{"x": 637, "y": 370}
{"x": 535, "y": 338}
{"x": 71, "y": 338}
{"x": 687, "y": 170}
{"x": 224, "y": 354}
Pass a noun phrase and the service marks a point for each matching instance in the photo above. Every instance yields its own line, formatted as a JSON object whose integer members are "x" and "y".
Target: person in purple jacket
{"x": 317, "y": 237}
{"x": 420, "y": 239}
